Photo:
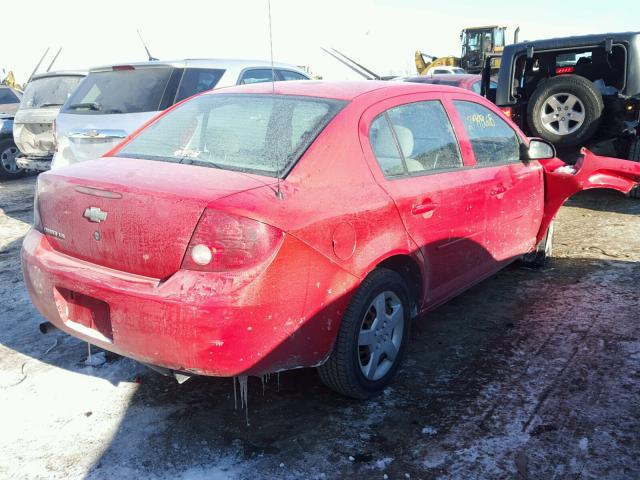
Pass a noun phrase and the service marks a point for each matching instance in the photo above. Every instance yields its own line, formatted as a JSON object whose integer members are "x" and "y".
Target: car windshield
{"x": 122, "y": 90}
{"x": 263, "y": 134}
{"x": 49, "y": 91}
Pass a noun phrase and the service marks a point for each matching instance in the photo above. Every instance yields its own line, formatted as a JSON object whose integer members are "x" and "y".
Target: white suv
{"x": 113, "y": 101}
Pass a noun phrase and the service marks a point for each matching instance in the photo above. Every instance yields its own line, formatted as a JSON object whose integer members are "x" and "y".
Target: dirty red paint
{"x": 338, "y": 219}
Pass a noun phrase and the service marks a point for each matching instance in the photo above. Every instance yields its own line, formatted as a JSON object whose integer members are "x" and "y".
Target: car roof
{"x": 447, "y": 77}
{"x": 200, "y": 63}
{"x": 339, "y": 90}
{"x": 61, "y": 73}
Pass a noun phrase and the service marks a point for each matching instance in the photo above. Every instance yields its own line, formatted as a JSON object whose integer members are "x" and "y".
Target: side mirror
{"x": 538, "y": 149}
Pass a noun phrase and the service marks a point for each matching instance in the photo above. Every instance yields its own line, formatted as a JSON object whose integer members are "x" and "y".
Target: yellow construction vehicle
{"x": 477, "y": 43}
{"x": 10, "y": 81}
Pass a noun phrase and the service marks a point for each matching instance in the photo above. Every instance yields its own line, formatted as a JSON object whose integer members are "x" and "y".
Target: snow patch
{"x": 429, "y": 430}
{"x": 383, "y": 463}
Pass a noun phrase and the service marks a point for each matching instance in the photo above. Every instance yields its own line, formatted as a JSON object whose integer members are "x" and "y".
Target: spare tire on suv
{"x": 565, "y": 110}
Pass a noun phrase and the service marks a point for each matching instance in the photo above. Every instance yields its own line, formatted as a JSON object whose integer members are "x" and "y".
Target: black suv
{"x": 574, "y": 91}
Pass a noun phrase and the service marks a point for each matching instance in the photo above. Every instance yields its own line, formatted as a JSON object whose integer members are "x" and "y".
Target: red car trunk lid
{"x": 131, "y": 215}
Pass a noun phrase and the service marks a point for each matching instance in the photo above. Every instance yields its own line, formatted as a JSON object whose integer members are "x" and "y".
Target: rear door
{"x": 415, "y": 156}
{"x": 514, "y": 190}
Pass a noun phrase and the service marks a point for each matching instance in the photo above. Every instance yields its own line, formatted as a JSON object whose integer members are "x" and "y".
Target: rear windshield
{"x": 263, "y": 134}
{"x": 49, "y": 91}
{"x": 7, "y": 96}
{"x": 120, "y": 91}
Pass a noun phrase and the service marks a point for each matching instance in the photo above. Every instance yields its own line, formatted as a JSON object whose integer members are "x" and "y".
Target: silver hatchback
{"x": 33, "y": 123}
{"x": 113, "y": 101}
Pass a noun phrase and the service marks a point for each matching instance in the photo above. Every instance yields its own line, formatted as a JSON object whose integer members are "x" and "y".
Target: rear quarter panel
{"x": 332, "y": 204}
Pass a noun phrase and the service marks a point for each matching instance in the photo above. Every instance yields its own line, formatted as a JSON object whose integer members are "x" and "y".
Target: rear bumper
{"x": 39, "y": 164}
{"x": 286, "y": 316}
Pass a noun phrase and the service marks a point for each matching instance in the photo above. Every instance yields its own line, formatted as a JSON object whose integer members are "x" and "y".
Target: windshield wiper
{"x": 51, "y": 105}
{"x": 89, "y": 106}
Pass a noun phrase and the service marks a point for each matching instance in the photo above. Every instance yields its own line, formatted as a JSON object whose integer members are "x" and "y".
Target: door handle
{"x": 424, "y": 207}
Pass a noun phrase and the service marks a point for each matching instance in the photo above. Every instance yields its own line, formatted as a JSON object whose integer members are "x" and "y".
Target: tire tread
{"x": 335, "y": 371}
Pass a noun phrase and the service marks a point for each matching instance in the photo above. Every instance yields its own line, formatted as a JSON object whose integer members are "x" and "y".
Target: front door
{"x": 514, "y": 189}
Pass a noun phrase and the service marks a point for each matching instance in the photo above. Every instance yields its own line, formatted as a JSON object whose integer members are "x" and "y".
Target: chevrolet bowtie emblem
{"x": 94, "y": 214}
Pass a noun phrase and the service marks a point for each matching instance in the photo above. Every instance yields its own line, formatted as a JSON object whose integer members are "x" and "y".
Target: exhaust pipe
{"x": 180, "y": 377}
{"x": 515, "y": 35}
{"x": 46, "y": 327}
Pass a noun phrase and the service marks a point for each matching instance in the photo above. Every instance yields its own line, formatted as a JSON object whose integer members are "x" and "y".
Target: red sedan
{"x": 262, "y": 228}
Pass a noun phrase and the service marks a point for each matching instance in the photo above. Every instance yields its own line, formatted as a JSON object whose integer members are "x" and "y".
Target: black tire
{"x": 543, "y": 252}
{"x": 342, "y": 372}
{"x": 8, "y": 168}
{"x": 560, "y": 87}
{"x": 634, "y": 155}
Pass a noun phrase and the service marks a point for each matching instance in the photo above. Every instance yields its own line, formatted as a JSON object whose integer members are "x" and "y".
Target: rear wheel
{"x": 541, "y": 255}
{"x": 372, "y": 337}
{"x": 8, "y": 167}
{"x": 565, "y": 110}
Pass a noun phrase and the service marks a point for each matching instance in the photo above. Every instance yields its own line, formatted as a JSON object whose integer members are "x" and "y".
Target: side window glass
{"x": 425, "y": 136}
{"x": 291, "y": 75}
{"x": 385, "y": 148}
{"x": 196, "y": 80}
{"x": 493, "y": 141}
{"x": 257, "y": 75}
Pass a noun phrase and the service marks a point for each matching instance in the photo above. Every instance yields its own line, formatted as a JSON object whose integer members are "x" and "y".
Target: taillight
{"x": 119, "y": 68}
{"x": 223, "y": 242}
{"x": 507, "y": 111}
{"x": 55, "y": 139}
{"x": 37, "y": 223}
{"x": 564, "y": 70}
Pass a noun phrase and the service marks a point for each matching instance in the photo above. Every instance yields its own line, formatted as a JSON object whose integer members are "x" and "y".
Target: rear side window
{"x": 196, "y": 80}
{"x": 257, "y": 75}
{"x": 49, "y": 91}
{"x": 120, "y": 91}
{"x": 422, "y": 136}
{"x": 7, "y": 96}
{"x": 493, "y": 141}
{"x": 264, "y": 134}
{"x": 383, "y": 144}
{"x": 291, "y": 75}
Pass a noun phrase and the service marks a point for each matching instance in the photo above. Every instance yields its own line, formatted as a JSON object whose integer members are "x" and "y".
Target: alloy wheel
{"x": 380, "y": 335}
{"x": 562, "y": 113}
{"x": 8, "y": 160}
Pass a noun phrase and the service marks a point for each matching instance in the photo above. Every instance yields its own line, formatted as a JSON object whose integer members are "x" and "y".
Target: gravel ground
{"x": 531, "y": 374}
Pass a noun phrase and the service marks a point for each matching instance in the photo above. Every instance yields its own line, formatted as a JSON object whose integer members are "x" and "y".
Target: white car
{"x": 443, "y": 70}
{"x": 113, "y": 101}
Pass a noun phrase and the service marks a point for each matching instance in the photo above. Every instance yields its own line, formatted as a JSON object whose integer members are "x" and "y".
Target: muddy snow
{"x": 531, "y": 374}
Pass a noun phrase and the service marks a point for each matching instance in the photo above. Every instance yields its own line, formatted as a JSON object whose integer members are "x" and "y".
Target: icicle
{"x": 235, "y": 397}
{"x": 278, "y": 381}
{"x": 244, "y": 396}
{"x": 265, "y": 379}
{"x": 89, "y": 351}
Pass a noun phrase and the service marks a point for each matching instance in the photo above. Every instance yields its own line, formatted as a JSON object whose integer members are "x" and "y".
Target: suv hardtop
{"x": 574, "y": 91}
{"x": 114, "y": 100}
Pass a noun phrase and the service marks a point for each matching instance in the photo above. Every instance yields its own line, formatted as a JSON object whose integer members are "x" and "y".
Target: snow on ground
{"x": 531, "y": 374}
